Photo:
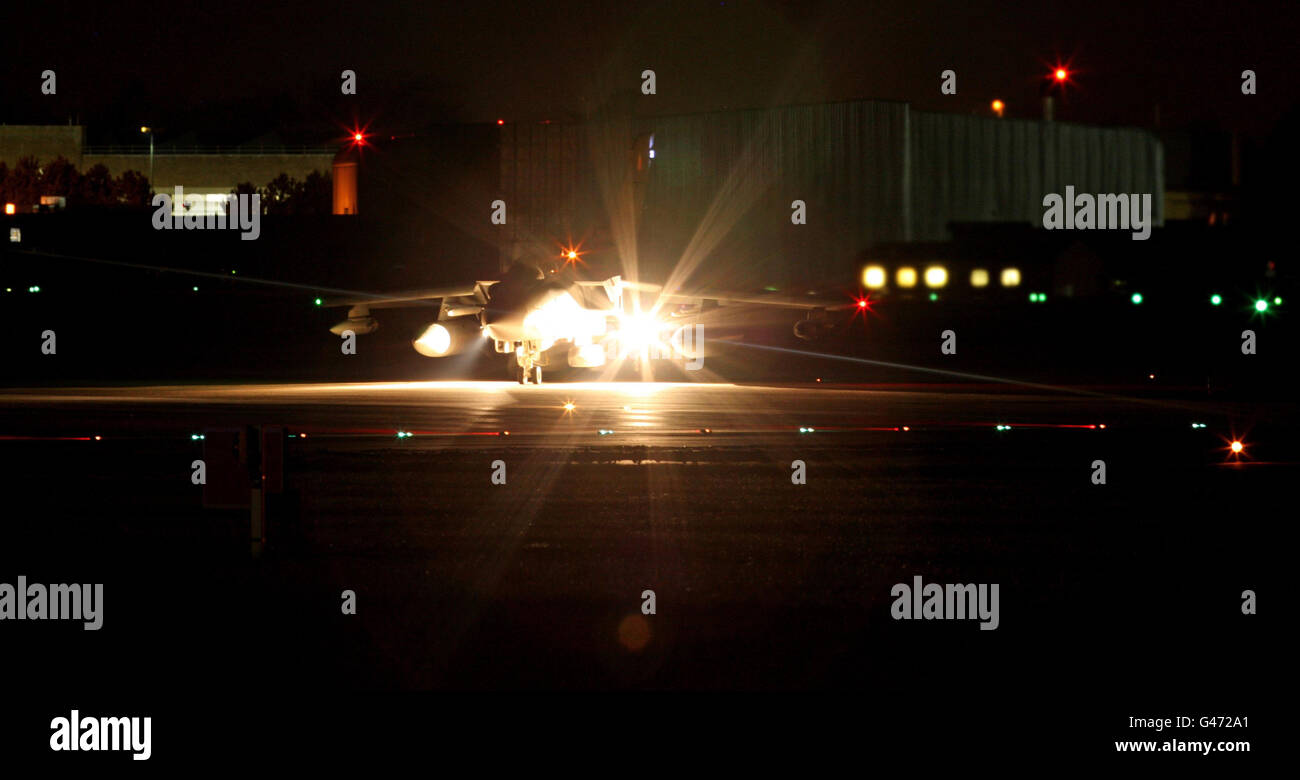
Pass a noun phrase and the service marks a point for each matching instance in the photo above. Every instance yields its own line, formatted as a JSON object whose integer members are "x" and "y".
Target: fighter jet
{"x": 538, "y": 318}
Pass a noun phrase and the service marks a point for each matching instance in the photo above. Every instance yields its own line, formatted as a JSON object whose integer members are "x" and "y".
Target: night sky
{"x": 229, "y": 69}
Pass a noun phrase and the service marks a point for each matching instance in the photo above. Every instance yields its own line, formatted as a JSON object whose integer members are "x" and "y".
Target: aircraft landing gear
{"x": 526, "y": 369}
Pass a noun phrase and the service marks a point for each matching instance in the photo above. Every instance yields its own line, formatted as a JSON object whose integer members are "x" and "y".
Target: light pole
{"x": 149, "y": 130}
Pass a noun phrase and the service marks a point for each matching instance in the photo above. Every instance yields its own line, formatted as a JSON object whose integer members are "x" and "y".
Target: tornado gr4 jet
{"x": 538, "y": 318}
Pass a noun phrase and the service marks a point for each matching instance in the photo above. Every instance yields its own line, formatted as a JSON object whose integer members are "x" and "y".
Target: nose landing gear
{"x": 526, "y": 366}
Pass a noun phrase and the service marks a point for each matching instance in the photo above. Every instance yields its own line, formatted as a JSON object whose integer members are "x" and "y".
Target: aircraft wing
{"x": 413, "y": 297}
{"x": 454, "y": 301}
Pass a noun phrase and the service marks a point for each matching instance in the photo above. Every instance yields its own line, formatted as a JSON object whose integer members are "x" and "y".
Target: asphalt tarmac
{"x": 459, "y": 414}
{"x": 1113, "y": 595}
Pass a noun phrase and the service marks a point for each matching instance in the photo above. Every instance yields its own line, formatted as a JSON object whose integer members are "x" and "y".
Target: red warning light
{"x": 501, "y": 121}
{"x": 1061, "y": 74}
{"x": 572, "y": 254}
{"x": 1236, "y": 447}
{"x": 357, "y": 135}
{"x": 861, "y": 305}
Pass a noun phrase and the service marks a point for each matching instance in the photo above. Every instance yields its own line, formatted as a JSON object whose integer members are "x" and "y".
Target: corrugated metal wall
{"x": 546, "y": 182}
{"x": 722, "y": 185}
{"x": 717, "y": 196}
{"x": 972, "y": 169}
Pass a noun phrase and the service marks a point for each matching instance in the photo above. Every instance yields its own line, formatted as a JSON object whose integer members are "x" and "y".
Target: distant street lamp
{"x": 998, "y": 105}
{"x": 149, "y": 131}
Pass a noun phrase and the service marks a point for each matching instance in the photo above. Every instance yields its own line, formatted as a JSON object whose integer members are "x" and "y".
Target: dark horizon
{"x": 228, "y": 73}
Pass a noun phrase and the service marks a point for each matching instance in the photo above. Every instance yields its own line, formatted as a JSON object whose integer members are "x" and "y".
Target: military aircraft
{"x": 538, "y": 318}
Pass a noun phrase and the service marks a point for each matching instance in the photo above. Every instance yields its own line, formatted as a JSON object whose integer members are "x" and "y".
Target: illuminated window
{"x": 936, "y": 276}
{"x": 1010, "y": 277}
{"x": 906, "y": 277}
{"x": 979, "y": 278}
{"x": 873, "y": 277}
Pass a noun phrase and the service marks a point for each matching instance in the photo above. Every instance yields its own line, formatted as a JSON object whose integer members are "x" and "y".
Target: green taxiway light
{"x": 1216, "y": 299}
{"x": 318, "y": 300}
{"x": 1261, "y": 305}
{"x": 1136, "y": 298}
{"x": 934, "y": 296}
{"x": 1277, "y": 301}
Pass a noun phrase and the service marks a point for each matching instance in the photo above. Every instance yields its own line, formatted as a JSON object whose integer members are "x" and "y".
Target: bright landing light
{"x": 562, "y": 317}
{"x": 1236, "y": 446}
{"x": 936, "y": 276}
{"x": 434, "y": 342}
{"x": 873, "y": 277}
{"x": 906, "y": 277}
{"x": 638, "y": 332}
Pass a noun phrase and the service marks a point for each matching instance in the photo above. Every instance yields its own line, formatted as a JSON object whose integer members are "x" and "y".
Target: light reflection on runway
{"x": 626, "y": 412}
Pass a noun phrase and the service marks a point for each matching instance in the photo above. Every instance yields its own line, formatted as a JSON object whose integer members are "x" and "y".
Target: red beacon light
{"x": 1061, "y": 74}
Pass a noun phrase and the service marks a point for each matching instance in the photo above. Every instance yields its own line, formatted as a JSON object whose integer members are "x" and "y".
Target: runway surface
{"x": 467, "y": 414}
{"x": 762, "y": 582}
